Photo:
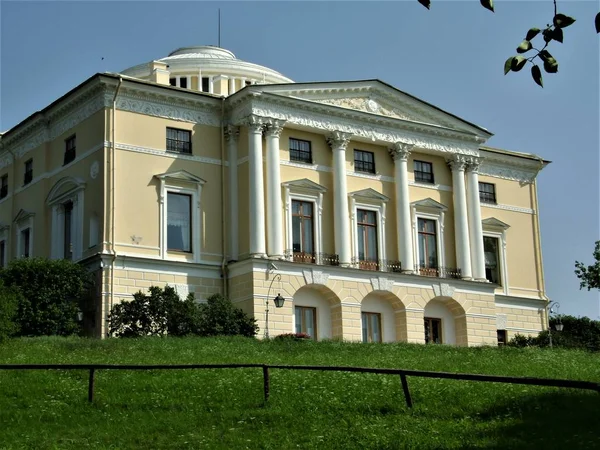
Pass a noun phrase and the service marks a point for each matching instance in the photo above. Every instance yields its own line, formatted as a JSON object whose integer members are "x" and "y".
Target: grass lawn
{"x": 225, "y": 409}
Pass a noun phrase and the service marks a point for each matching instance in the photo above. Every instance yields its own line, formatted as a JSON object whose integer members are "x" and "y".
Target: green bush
{"x": 578, "y": 332}
{"x": 161, "y": 312}
{"x": 51, "y": 294}
{"x": 9, "y": 303}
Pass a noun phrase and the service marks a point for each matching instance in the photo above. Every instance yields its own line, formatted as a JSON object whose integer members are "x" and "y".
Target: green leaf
{"x": 425, "y": 3}
{"x": 536, "y": 73}
{"x": 557, "y": 35}
{"x": 533, "y": 32}
{"x": 547, "y": 33}
{"x": 508, "y": 64}
{"x": 488, "y": 4}
{"x": 547, "y": 57}
{"x": 524, "y": 46}
{"x": 597, "y": 21}
{"x": 562, "y": 21}
{"x": 551, "y": 67}
{"x": 518, "y": 63}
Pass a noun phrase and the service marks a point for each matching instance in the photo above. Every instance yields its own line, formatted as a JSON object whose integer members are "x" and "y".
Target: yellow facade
{"x": 120, "y": 191}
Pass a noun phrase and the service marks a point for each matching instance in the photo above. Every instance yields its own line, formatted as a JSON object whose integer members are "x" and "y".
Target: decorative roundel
{"x": 94, "y": 170}
{"x": 372, "y": 105}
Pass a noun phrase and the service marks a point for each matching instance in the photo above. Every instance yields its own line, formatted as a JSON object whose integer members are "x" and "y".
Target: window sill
{"x": 425, "y": 182}
{"x": 175, "y": 152}
{"x": 300, "y": 161}
{"x": 366, "y": 172}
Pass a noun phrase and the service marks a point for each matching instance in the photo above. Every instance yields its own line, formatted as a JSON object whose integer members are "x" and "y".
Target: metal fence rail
{"x": 403, "y": 373}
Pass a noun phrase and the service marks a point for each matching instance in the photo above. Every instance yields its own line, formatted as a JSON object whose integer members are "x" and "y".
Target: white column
{"x": 475, "y": 226}
{"x": 257, "y": 190}
{"x": 461, "y": 228}
{"x": 231, "y": 85}
{"x": 338, "y": 142}
{"x": 177, "y": 81}
{"x": 242, "y": 83}
{"x": 210, "y": 85}
{"x": 199, "y": 80}
{"x": 231, "y": 136}
{"x": 400, "y": 153}
{"x": 274, "y": 214}
{"x": 55, "y": 251}
{"x": 189, "y": 82}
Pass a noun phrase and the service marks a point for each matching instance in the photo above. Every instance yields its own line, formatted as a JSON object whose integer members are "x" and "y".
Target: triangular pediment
{"x": 180, "y": 175}
{"x": 23, "y": 215}
{"x": 492, "y": 222}
{"x": 378, "y": 98}
{"x": 429, "y": 203}
{"x": 369, "y": 194}
{"x": 304, "y": 184}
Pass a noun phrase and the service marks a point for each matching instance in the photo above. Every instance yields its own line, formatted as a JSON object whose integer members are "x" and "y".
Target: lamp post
{"x": 279, "y": 301}
{"x": 551, "y": 308}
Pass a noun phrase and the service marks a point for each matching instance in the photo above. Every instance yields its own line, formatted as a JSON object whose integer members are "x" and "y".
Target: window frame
{"x": 502, "y": 261}
{"x": 308, "y": 160}
{"x": 483, "y": 194}
{"x": 302, "y": 327}
{"x": 358, "y": 163}
{"x": 431, "y": 320}
{"x": 4, "y": 236}
{"x": 367, "y": 314}
{"x": 504, "y": 335}
{"x": 420, "y": 178}
{"x": 171, "y": 192}
{"x": 70, "y": 151}
{"x": 178, "y": 142}
{"x": 367, "y": 264}
{"x": 302, "y": 255}
{"x": 66, "y": 190}
{"x": 369, "y": 200}
{"x": 429, "y": 209}
{"x": 202, "y": 86}
{"x": 28, "y": 172}
{"x": 24, "y": 220}
{"x": 437, "y": 246}
{"x": 4, "y": 186}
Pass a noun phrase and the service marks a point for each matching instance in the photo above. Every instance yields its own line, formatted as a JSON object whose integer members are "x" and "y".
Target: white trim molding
{"x": 23, "y": 221}
{"x": 432, "y": 210}
{"x": 4, "y": 236}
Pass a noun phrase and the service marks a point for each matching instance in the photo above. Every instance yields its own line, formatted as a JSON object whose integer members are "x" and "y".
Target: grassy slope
{"x": 224, "y": 409}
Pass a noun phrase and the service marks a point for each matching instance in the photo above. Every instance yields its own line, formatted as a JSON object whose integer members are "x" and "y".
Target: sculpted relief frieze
{"x": 370, "y": 106}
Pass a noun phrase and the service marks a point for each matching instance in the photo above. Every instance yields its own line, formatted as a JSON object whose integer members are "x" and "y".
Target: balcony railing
{"x": 322, "y": 259}
{"x": 438, "y": 272}
{"x": 383, "y": 265}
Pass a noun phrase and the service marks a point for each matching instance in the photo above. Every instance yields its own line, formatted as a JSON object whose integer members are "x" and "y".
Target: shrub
{"x": 520, "y": 340}
{"x": 293, "y": 337}
{"x": 161, "y": 312}
{"x": 9, "y": 303}
{"x": 578, "y": 332}
{"x": 52, "y": 293}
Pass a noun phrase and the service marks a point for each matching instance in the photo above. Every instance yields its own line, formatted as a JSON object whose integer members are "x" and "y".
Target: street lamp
{"x": 552, "y": 308}
{"x": 279, "y": 301}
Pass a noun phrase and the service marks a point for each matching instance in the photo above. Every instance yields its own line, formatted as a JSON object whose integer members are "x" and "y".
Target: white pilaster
{"x": 177, "y": 81}
{"x": 189, "y": 82}
{"x": 199, "y": 80}
{"x": 274, "y": 214}
{"x": 257, "y": 191}
{"x": 210, "y": 85}
{"x": 242, "y": 83}
{"x": 338, "y": 142}
{"x": 461, "y": 228}
{"x": 231, "y": 85}
{"x": 231, "y": 136}
{"x": 475, "y": 227}
{"x": 400, "y": 153}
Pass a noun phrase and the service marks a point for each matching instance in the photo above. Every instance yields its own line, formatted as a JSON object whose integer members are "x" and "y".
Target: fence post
{"x": 406, "y": 391}
{"x": 266, "y": 382}
{"x": 91, "y": 386}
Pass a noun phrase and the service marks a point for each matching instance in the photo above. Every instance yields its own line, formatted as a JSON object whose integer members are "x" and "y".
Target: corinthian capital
{"x": 457, "y": 162}
{"x": 338, "y": 139}
{"x": 274, "y": 127}
{"x": 473, "y": 164}
{"x": 400, "y": 151}
{"x": 231, "y": 133}
{"x": 255, "y": 124}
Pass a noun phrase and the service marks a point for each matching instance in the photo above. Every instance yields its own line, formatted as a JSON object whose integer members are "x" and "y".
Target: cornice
{"x": 509, "y": 172}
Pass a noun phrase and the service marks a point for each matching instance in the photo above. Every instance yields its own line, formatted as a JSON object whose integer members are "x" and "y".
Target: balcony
{"x": 321, "y": 259}
{"x": 382, "y": 265}
{"x": 438, "y": 272}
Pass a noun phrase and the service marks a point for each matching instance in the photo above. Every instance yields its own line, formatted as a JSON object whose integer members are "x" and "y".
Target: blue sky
{"x": 451, "y": 56}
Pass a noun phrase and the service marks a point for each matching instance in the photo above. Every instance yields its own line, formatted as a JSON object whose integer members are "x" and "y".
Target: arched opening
{"x": 316, "y": 312}
{"x": 383, "y": 318}
{"x": 66, "y": 201}
{"x": 445, "y": 322}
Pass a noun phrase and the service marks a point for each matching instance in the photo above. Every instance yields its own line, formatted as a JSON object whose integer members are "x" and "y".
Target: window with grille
{"x": 364, "y": 161}
{"x": 423, "y": 172}
{"x": 487, "y": 193}
{"x": 367, "y": 239}
{"x": 179, "y": 141}
{"x": 428, "y": 255}
{"x": 70, "y": 152}
{"x": 300, "y": 151}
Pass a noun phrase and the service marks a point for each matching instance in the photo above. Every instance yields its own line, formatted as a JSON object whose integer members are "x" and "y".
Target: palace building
{"x": 375, "y": 215}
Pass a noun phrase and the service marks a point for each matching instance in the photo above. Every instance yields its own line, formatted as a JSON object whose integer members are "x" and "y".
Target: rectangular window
{"x": 306, "y": 320}
{"x": 302, "y": 231}
{"x": 300, "y": 151}
{"x": 179, "y": 222}
{"x": 2, "y": 253}
{"x": 501, "y": 337}
{"x": 487, "y": 193}
{"x": 173, "y": 81}
{"x": 179, "y": 141}
{"x": 205, "y": 84}
{"x": 428, "y": 256}
{"x": 423, "y": 172}
{"x": 433, "y": 331}
{"x": 364, "y": 161}
{"x": 70, "y": 151}
{"x": 371, "y": 327}
{"x": 25, "y": 240}
{"x": 28, "y": 175}
{"x": 491, "y": 252}
{"x": 367, "y": 239}
{"x": 68, "y": 246}
{"x": 183, "y": 82}
{"x": 4, "y": 188}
